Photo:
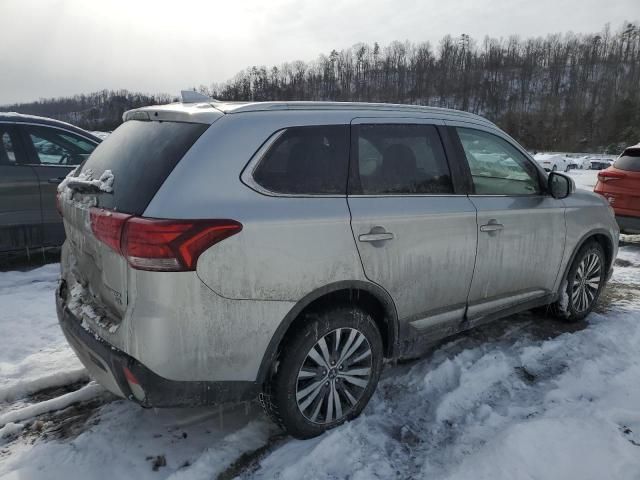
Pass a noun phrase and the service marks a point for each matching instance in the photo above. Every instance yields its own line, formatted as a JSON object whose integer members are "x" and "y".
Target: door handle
{"x": 375, "y": 237}
{"x": 376, "y": 234}
{"x": 56, "y": 180}
{"x": 492, "y": 226}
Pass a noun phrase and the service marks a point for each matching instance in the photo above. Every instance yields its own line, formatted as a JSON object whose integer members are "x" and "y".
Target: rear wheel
{"x": 584, "y": 283}
{"x": 326, "y": 372}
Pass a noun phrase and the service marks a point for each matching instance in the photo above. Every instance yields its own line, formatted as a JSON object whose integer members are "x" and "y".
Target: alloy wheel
{"x": 586, "y": 282}
{"x": 334, "y": 376}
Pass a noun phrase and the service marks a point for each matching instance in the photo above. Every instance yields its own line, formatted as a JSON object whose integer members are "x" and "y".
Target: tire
{"x": 300, "y": 403}
{"x": 582, "y": 291}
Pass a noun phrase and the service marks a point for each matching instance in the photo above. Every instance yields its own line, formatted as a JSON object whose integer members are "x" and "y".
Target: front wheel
{"x": 326, "y": 372}
{"x": 584, "y": 283}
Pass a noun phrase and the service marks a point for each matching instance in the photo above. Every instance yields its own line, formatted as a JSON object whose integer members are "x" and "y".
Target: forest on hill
{"x": 572, "y": 92}
{"x": 94, "y": 111}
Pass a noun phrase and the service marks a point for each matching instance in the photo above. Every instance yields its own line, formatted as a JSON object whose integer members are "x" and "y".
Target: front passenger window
{"x": 497, "y": 167}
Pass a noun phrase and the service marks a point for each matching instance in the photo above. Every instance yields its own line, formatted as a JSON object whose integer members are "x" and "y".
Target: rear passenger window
{"x": 306, "y": 161}
{"x": 400, "y": 159}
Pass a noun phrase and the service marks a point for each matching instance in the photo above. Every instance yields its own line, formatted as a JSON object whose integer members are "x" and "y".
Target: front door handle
{"x": 56, "y": 180}
{"x": 492, "y": 226}
{"x": 376, "y": 234}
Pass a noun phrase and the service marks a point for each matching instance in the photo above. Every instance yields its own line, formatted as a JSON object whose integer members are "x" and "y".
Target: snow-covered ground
{"x": 34, "y": 353}
{"x": 585, "y": 179}
{"x": 524, "y": 398}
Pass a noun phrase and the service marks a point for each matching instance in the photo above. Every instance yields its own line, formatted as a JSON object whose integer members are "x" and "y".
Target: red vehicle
{"x": 620, "y": 185}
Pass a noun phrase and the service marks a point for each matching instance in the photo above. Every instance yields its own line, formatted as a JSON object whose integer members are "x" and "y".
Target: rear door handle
{"x": 376, "y": 234}
{"x": 375, "y": 237}
{"x": 492, "y": 226}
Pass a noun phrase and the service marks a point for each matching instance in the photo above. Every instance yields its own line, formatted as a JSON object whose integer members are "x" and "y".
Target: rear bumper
{"x": 107, "y": 365}
{"x": 628, "y": 224}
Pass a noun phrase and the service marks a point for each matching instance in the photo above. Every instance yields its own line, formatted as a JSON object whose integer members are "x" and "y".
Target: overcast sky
{"x": 62, "y": 47}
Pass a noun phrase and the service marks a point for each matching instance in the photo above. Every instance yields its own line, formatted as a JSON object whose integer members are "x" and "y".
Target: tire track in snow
{"x": 87, "y": 392}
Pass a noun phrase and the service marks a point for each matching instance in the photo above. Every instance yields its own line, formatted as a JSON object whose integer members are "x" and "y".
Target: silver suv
{"x": 222, "y": 251}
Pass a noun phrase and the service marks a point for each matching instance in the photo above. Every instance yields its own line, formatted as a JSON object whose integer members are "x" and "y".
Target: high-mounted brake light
{"x": 159, "y": 244}
{"x": 607, "y": 175}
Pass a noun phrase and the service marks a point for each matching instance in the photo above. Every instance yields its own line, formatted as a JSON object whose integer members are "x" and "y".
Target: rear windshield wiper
{"x": 85, "y": 183}
{"x": 82, "y": 186}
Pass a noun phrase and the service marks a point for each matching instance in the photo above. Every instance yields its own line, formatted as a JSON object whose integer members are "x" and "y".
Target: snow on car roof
{"x": 25, "y": 118}
{"x": 15, "y": 116}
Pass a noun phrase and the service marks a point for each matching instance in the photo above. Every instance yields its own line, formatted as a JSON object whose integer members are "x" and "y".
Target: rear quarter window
{"x": 629, "y": 160}
{"x": 141, "y": 155}
{"x": 306, "y": 161}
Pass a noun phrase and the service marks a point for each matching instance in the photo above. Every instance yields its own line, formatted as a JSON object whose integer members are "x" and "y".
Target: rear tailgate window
{"x": 141, "y": 155}
{"x": 629, "y": 160}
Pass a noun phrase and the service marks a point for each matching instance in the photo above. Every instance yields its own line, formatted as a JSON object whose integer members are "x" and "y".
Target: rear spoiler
{"x": 194, "y": 108}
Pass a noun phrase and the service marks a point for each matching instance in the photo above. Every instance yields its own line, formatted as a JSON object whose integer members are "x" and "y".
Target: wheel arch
{"x": 601, "y": 236}
{"x": 369, "y": 296}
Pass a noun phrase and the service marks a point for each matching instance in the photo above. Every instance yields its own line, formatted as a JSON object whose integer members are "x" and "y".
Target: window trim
{"x": 464, "y": 163}
{"x": 246, "y": 176}
{"x": 31, "y": 155}
{"x": 354, "y": 174}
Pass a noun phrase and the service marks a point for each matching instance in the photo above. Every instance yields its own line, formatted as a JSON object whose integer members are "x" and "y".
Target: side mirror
{"x": 560, "y": 186}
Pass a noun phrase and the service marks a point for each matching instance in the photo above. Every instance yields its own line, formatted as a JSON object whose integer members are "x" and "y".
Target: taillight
{"x": 172, "y": 245}
{"x": 608, "y": 175}
{"x": 107, "y": 226}
{"x": 158, "y": 244}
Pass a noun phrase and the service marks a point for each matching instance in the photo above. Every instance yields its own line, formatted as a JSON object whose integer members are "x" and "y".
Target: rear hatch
{"x": 620, "y": 184}
{"x": 116, "y": 182}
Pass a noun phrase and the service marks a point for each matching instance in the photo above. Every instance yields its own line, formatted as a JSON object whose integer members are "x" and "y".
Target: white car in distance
{"x": 552, "y": 162}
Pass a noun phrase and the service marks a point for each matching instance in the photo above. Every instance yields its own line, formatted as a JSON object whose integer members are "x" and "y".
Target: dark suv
{"x": 36, "y": 154}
